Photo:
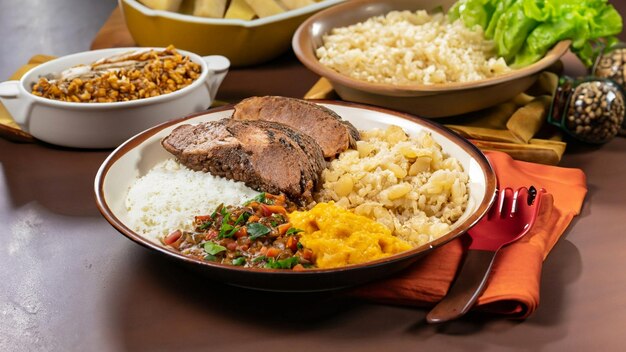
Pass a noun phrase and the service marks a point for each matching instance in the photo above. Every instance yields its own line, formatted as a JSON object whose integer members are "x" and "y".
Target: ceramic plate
{"x": 138, "y": 155}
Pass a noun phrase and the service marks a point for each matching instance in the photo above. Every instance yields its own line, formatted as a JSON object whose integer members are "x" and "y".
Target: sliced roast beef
{"x": 267, "y": 156}
{"x": 326, "y": 127}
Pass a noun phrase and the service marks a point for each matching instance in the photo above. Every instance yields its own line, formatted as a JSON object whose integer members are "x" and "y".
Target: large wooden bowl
{"x": 437, "y": 100}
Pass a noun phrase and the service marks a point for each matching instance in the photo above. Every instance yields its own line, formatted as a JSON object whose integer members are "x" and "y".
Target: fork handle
{"x": 470, "y": 283}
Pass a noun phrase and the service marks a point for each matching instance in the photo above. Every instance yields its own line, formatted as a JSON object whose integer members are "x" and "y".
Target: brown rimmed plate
{"x": 139, "y": 154}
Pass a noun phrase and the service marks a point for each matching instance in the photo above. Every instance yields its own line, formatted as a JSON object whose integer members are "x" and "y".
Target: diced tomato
{"x": 278, "y": 199}
{"x": 243, "y": 231}
{"x": 268, "y": 210}
{"x": 212, "y": 234}
{"x": 203, "y": 218}
{"x": 272, "y": 252}
{"x": 298, "y": 267}
{"x": 292, "y": 243}
{"x": 231, "y": 246}
{"x": 307, "y": 254}
{"x": 172, "y": 237}
{"x": 282, "y": 229}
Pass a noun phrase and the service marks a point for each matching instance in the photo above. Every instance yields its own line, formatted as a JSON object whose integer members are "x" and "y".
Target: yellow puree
{"x": 339, "y": 237}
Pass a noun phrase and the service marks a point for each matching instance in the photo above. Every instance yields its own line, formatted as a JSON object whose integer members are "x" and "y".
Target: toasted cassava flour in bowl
{"x": 405, "y": 48}
{"x": 406, "y": 183}
{"x": 169, "y": 196}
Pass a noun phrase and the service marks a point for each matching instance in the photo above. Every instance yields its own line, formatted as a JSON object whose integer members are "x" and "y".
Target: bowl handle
{"x": 18, "y": 105}
{"x": 218, "y": 68}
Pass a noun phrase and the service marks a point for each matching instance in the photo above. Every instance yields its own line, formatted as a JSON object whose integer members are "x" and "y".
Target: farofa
{"x": 405, "y": 48}
{"x": 406, "y": 183}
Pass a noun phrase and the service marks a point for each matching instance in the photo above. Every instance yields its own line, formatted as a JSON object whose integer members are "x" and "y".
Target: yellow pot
{"x": 242, "y": 42}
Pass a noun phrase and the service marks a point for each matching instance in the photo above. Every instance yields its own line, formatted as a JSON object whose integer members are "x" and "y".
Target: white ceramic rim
{"x": 113, "y": 105}
{"x": 231, "y": 22}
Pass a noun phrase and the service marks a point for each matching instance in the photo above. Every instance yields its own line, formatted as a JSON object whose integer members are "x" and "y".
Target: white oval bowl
{"x": 105, "y": 125}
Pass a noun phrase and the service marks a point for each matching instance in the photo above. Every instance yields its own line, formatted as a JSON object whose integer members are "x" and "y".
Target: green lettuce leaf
{"x": 512, "y": 29}
{"x": 500, "y": 8}
{"x": 472, "y": 12}
{"x": 524, "y": 30}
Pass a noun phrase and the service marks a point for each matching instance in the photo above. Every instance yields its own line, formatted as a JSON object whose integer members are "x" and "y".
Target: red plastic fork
{"x": 510, "y": 218}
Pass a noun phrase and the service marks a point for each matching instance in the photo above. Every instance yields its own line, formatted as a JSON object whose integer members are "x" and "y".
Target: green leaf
{"x": 278, "y": 216}
{"x": 293, "y": 231}
{"x": 524, "y": 30}
{"x": 261, "y": 198}
{"x": 213, "y": 248}
{"x": 500, "y": 8}
{"x": 286, "y": 263}
{"x": 243, "y": 217}
{"x": 215, "y": 211}
{"x": 227, "y": 230}
{"x": 256, "y": 230}
{"x": 473, "y": 12}
{"x": 206, "y": 225}
{"x": 239, "y": 261}
{"x": 512, "y": 29}
{"x": 210, "y": 258}
{"x": 259, "y": 259}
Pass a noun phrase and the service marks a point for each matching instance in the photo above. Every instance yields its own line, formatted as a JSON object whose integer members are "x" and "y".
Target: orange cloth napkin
{"x": 513, "y": 286}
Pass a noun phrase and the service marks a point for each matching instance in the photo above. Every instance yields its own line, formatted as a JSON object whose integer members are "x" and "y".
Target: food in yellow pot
{"x": 339, "y": 237}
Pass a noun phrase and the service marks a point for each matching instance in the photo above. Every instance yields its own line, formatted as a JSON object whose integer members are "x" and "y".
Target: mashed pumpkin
{"x": 339, "y": 237}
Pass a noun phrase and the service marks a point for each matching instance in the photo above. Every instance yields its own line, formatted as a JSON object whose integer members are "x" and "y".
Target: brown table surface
{"x": 70, "y": 282}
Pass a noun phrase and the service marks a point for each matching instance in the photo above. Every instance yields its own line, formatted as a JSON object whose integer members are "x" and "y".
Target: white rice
{"x": 405, "y": 48}
{"x": 170, "y": 195}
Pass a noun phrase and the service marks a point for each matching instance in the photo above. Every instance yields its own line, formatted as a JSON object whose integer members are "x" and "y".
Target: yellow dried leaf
{"x": 166, "y": 5}
{"x": 265, "y": 8}
{"x": 294, "y": 4}
{"x": 240, "y": 9}
{"x": 527, "y": 120}
{"x": 209, "y": 8}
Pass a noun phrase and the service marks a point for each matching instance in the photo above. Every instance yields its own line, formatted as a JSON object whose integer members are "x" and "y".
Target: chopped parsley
{"x": 261, "y": 198}
{"x": 286, "y": 263}
{"x": 293, "y": 231}
{"x": 239, "y": 261}
{"x": 210, "y": 258}
{"x": 259, "y": 259}
{"x": 256, "y": 230}
{"x": 227, "y": 230}
{"x": 213, "y": 248}
{"x": 206, "y": 225}
{"x": 242, "y": 218}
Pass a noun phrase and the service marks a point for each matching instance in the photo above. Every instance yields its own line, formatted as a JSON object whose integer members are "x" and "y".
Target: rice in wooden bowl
{"x": 416, "y": 63}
